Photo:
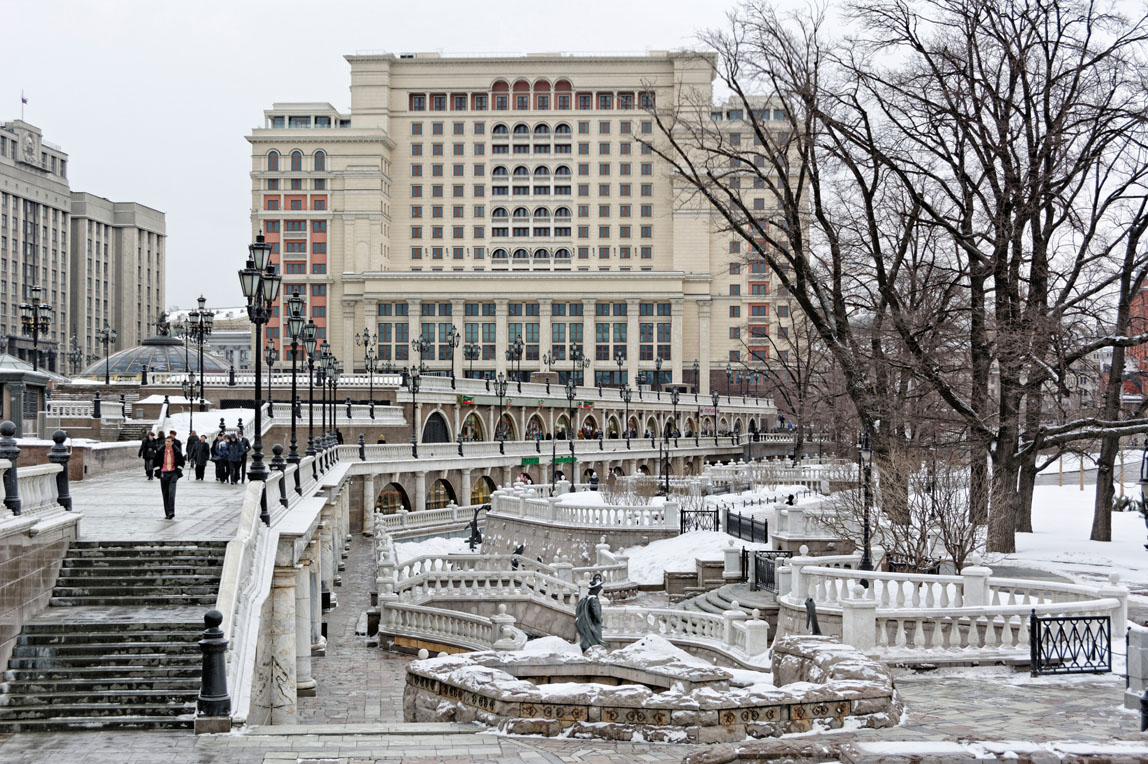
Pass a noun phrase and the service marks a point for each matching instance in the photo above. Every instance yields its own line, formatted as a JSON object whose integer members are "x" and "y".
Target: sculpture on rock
{"x": 475, "y": 534}
{"x": 588, "y": 617}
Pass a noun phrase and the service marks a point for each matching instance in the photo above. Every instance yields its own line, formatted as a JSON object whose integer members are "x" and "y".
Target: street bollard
{"x": 58, "y": 454}
{"x": 280, "y": 464}
{"x": 96, "y": 410}
{"x": 231, "y": 376}
{"x": 9, "y": 451}
{"x": 347, "y": 400}
{"x": 143, "y": 375}
{"x": 213, "y": 706}
{"x": 362, "y": 448}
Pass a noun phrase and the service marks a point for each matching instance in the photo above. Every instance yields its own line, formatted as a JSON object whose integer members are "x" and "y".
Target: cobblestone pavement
{"x": 126, "y": 506}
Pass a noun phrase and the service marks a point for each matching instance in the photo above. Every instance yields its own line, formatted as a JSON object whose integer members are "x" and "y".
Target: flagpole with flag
{"x": 23, "y": 103}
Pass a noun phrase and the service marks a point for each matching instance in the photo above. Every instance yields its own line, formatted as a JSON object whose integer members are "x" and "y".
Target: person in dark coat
{"x": 202, "y": 454}
{"x": 149, "y": 447}
{"x": 219, "y": 456}
{"x": 244, "y": 446}
{"x": 235, "y": 459}
{"x": 171, "y": 461}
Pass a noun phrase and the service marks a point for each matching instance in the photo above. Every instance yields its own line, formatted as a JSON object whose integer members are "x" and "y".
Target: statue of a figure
{"x": 518, "y": 550}
{"x": 162, "y": 325}
{"x": 588, "y": 616}
{"x": 811, "y": 616}
{"x": 475, "y": 534}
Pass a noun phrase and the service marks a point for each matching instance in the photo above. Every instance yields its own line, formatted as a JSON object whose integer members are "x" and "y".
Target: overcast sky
{"x": 152, "y": 100}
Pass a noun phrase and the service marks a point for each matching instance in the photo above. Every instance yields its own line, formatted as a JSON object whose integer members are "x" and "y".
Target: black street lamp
{"x": 627, "y": 393}
{"x": 421, "y": 345}
{"x": 453, "y": 338}
{"x": 865, "y": 473}
{"x": 295, "y": 332}
{"x": 571, "y": 394}
{"x": 270, "y": 355}
{"x": 500, "y": 391}
{"x": 106, "y": 337}
{"x": 658, "y": 376}
{"x": 715, "y": 397}
{"x": 471, "y": 353}
{"x": 728, "y": 381}
{"x": 188, "y": 387}
{"x": 260, "y": 282}
{"x": 334, "y": 370}
{"x": 321, "y": 380}
{"x": 367, "y": 341}
{"x": 75, "y": 355}
{"x": 414, "y": 382}
{"x": 310, "y": 338}
{"x": 697, "y": 381}
{"x": 514, "y": 357}
{"x": 620, "y": 359}
{"x": 198, "y": 327}
{"x": 675, "y": 396}
{"x": 36, "y": 318}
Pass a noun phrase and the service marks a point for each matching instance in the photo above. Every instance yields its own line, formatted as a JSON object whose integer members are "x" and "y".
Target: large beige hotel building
{"x": 508, "y": 198}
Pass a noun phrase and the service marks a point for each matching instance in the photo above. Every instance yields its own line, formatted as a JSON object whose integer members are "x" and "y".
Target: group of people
{"x": 165, "y": 459}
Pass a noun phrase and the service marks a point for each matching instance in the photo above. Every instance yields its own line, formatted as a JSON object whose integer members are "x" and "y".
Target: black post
{"x": 348, "y": 402}
{"x": 213, "y": 699}
{"x": 143, "y": 376}
{"x": 311, "y": 416}
{"x": 124, "y": 405}
{"x": 1034, "y": 646}
{"x": 231, "y": 375}
{"x": 97, "y": 412}
{"x": 58, "y": 454}
{"x": 279, "y": 463}
{"x": 293, "y": 453}
{"x": 9, "y": 451}
{"x": 362, "y": 448}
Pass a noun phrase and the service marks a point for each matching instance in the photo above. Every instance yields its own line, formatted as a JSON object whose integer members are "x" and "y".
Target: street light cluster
{"x": 36, "y": 319}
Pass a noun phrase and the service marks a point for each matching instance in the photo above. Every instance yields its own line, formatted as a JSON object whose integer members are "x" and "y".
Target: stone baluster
{"x": 281, "y": 654}
{"x": 732, "y": 616}
{"x": 975, "y": 583}
{"x": 1119, "y": 592}
{"x": 859, "y": 620}
{"x": 731, "y": 570}
{"x": 60, "y": 455}
{"x": 756, "y": 634}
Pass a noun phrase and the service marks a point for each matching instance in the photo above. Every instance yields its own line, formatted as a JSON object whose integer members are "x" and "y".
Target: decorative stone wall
{"x": 654, "y": 691}
{"x": 505, "y": 532}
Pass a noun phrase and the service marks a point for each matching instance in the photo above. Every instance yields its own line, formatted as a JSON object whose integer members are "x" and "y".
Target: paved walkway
{"x": 126, "y": 506}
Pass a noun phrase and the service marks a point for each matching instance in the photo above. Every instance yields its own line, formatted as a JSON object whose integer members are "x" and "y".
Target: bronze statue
{"x": 475, "y": 534}
{"x": 588, "y": 616}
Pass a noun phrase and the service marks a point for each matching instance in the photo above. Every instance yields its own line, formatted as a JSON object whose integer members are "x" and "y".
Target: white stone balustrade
{"x": 75, "y": 409}
{"x": 38, "y": 489}
{"x": 474, "y": 632}
{"x": 554, "y": 510}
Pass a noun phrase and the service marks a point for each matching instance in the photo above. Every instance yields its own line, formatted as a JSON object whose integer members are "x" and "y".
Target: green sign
{"x": 562, "y": 459}
{"x": 528, "y": 460}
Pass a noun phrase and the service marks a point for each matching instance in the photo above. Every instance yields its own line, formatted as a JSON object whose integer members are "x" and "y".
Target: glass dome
{"x": 159, "y": 354}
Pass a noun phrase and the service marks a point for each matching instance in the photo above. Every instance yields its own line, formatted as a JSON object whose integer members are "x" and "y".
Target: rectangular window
{"x": 318, "y": 248}
{"x": 318, "y": 290}
{"x": 318, "y": 268}
{"x": 318, "y": 226}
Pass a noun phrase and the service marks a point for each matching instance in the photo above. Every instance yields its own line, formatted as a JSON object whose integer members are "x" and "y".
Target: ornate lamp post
{"x": 310, "y": 338}
{"x": 514, "y": 357}
{"x": 414, "y": 382}
{"x": 296, "y": 332}
{"x": 627, "y": 393}
{"x": 188, "y": 387}
{"x": 421, "y": 346}
{"x": 571, "y": 394}
{"x": 367, "y": 341}
{"x": 865, "y": 474}
{"x": 36, "y": 318}
{"x": 198, "y": 327}
{"x": 260, "y": 282}
{"x": 697, "y": 381}
{"x": 471, "y": 353}
{"x": 321, "y": 380}
{"x": 334, "y": 370}
{"x": 453, "y": 338}
{"x": 270, "y": 355}
{"x": 715, "y": 397}
{"x": 106, "y": 337}
{"x": 75, "y": 355}
{"x": 620, "y": 359}
{"x": 675, "y": 396}
{"x": 500, "y": 391}
{"x": 728, "y": 381}
{"x": 658, "y": 376}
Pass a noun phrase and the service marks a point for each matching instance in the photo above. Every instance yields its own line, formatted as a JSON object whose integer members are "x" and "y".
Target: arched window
{"x": 542, "y": 131}
{"x": 501, "y": 131}
{"x": 521, "y": 212}
{"x": 500, "y": 213}
{"x": 541, "y": 213}
{"x": 521, "y": 254}
{"x": 542, "y": 85}
{"x": 562, "y": 254}
{"x": 500, "y": 172}
{"x": 521, "y": 172}
{"x": 562, "y": 171}
{"x": 562, "y": 212}
{"x": 541, "y": 254}
{"x": 521, "y": 131}
{"x": 562, "y": 129}
{"x": 498, "y": 254}
{"x": 500, "y": 86}
{"x": 541, "y": 172}
{"x": 273, "y": 161}
{"x": 296, "y": 161}
{"x": 320, "y": 160}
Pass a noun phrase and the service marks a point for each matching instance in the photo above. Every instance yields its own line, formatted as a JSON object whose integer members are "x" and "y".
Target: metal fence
{"x": 699, "y": 520}
{"x": 1070, "y": 644}
{"x": 746, "y": 528}
{"x": 765, "y": 569}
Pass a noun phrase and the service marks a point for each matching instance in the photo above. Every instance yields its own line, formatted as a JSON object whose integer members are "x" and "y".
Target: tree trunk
{"x": 1024, "y": 498}
{"x": 979, "y": 483}
{"x": 1002, "y": 517}
{"x": 1105, "y": 490}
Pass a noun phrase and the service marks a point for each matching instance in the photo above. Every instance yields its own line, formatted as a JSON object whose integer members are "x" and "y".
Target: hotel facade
{"x": 505, "y": 199}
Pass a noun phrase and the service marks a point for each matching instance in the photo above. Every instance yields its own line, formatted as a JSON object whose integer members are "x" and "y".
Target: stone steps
{"x": 97, "y": 667}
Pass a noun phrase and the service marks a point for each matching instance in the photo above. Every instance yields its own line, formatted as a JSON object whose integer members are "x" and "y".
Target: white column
{"x": 545, "y": 314}
{"x": 704, "y": 346}
{"x": 458, "y": 319}
{"x": 420, "y": 491}
{"x": 313, "y": 562}
{"x": 588, "y": 339}
{"x": 464, "y": 497}
{"x": 305, "y": 684}
{"x": 414, "y": 319}
{"x": 369, "y": 495}
{"x": 281, "y": 643}
{"x": 501, "y": 336}
{"x": 677, "y": 347}
{"x": 632, "y": 308}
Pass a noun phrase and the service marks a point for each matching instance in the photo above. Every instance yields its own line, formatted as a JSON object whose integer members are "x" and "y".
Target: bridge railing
{"x": 561, "y": 510}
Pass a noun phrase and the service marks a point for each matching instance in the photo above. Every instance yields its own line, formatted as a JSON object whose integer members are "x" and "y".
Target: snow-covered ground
{"x": 207, "y": 422}
{"x": 648, "y": 563}
{"x": 409, "y": 550}
{"x": 1071, "y": 462}
{"x": 1062, "y": 523}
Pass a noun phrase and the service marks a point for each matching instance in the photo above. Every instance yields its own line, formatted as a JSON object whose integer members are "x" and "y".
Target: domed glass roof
{"x": 159, "y": 354}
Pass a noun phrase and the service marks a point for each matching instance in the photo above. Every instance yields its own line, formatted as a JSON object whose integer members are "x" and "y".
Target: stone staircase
{"x": 116, "y": 648}
{"x": 723, "y": 598}
{"x": 134, "y": 432}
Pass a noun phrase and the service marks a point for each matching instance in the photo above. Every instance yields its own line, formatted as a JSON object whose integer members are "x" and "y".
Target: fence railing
{"x": 746, "y": 528}
{"x": 699, "y": 520}
{"x": 765, "y": 565}
{"x": 1070, "y": 644}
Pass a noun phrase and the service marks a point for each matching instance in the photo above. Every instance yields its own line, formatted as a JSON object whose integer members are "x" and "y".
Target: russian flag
{"x": 23, "y": 100}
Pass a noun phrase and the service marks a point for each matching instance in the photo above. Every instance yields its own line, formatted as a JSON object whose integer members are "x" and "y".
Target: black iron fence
{"x": 765, "y": 564}
{"x": 1070, "y": 644}
{"x": 746, "y": 528}
{"x": 699, "y": 520}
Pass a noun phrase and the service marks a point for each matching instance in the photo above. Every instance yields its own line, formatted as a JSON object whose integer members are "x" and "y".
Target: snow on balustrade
{"x": 584, "y": 509}
{"x": 831, "y": 585}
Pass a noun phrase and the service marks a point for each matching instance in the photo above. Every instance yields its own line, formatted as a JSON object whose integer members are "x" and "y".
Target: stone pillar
{"x": 281, "y": 653}
{"x": 330, "y": 561}
{"x": 458, "y": 319}
{"x": 305, "y": 684}
{"x": 369, "y": 505}
{"x": 1119, "y": 592}
{"x": 975, "y": 587}
{"x": 677, "y": 345}
{"x": 756, "y": 634}
{"x": 734, "y": 615}
{"x": 313, "y": 562}
{"x": 545, "y": 336}
{"x": 420, "y": 491}
{"x": 464, "y": 497}
{"x": 632, "y": 308}
{"x": 414, "y": 319}
{"x": 348, "y": 334}
{"x": 501, "y": 337}
{"x": 859, "y": 620}
{"x": 731, "y": 571}
{"x": 704, "y": 348}
{"x": 588, "y": 340}
{"x": 1137, "y": 665}
{"x": 16, "y": 403}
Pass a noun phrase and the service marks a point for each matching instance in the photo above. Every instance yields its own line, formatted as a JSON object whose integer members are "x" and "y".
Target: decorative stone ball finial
{"x": 803, "y": 550}
{"x": 7, "y": 428}
{"x": 423, "y": 654}
{"x": 502, "y": 608}
{"x": 212, "y": 620}
{"x": 1114, "y": 579}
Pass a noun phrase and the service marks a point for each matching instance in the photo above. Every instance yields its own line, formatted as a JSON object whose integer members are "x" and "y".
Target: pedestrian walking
{"x": 236, "y": 459}
{"x": 219, "y": 456}
{"x": 149, "y": 447}
{"x": 244, "y": 446}
{"x": 202, "y": 454}
{"x": 171, "y": 461}
{"x": 593, "y": 481}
